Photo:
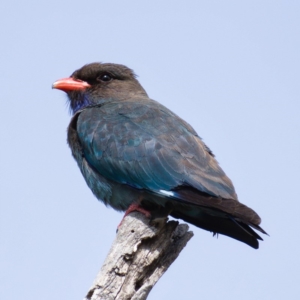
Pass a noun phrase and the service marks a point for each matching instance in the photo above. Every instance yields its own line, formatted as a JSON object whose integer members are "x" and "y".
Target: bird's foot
{"x": 135, "y": 207}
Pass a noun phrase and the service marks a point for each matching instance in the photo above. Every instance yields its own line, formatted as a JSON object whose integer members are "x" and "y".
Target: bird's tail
{"x": 218, "y": 215}
{"x": 227, "y": 225}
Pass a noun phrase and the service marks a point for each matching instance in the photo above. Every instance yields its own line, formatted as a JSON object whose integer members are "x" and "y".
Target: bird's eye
{"x": 105, "y": 77}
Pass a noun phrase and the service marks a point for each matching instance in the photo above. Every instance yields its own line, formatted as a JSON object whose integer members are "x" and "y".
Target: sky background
{"x": 229, "y": 68}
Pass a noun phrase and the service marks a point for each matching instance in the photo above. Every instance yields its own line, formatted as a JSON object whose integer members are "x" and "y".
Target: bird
{"x": 137, "y": 155}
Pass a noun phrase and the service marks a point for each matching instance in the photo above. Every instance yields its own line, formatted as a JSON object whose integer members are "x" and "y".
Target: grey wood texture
{"x": 141, "y": 253}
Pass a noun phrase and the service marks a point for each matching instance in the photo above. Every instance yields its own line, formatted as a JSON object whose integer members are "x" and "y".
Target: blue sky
{"x": 229, "y": 68}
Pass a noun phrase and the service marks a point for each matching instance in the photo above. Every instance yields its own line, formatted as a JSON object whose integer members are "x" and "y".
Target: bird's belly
{"x": 118, "y": 196}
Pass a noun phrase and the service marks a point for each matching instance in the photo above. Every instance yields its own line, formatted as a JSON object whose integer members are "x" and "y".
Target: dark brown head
{"x": 98, "y": 83}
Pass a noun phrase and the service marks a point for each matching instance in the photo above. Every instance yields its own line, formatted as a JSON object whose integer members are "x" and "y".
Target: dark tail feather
{"x": 227, "y": 226}
{"x": 258, "y": 228}
{"x": 246, "y": 228}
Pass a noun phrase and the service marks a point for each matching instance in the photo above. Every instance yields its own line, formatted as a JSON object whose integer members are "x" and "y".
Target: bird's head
{"x": 98, "y": 83}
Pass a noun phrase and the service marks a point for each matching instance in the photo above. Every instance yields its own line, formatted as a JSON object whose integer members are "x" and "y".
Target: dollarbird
{"x": 137, "y": 155}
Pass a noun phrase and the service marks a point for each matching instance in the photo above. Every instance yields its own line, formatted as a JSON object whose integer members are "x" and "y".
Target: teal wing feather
{"x": 145, "y": 145}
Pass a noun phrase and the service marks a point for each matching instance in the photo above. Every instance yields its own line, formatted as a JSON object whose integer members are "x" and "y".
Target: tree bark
{"x": 141, "y": 253}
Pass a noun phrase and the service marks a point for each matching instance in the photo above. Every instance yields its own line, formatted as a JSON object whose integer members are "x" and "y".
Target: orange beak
{"x": 70, "y": 84}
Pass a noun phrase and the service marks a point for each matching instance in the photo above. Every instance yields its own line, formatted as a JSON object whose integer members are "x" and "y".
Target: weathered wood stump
{"x": 141, "y": 253}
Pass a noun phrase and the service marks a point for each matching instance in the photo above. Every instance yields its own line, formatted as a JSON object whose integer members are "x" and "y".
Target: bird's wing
{"x": 145, "y": 145}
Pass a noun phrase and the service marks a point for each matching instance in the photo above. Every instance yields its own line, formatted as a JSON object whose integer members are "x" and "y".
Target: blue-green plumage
{"x": 143, "y": 144}
{"x": 131, "y": 149}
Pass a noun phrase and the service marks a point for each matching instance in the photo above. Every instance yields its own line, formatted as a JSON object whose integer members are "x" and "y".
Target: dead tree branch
{"x": 139, "y": 256}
